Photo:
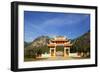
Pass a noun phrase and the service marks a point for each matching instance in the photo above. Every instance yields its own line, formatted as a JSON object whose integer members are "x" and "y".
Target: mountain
{"x": 82, "y": 43}
{"x": 26, "y": 44}
{"x": 38, "y": 42}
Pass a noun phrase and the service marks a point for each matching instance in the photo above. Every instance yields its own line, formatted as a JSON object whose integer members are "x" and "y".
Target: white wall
{"x": 5, "y": 35}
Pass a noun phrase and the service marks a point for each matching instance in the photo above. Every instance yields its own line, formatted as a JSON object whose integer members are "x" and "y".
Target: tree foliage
{"x": 82, "y": 44}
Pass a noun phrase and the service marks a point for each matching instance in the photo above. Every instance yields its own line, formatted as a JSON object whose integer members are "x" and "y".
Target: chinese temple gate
{"x": 53, "y": 43}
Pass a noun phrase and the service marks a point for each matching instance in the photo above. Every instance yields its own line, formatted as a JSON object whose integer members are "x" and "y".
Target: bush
{"x": 36, "y": 51}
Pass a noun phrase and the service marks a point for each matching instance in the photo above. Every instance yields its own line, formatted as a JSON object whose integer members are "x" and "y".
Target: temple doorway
{"x": 60, "y": 50}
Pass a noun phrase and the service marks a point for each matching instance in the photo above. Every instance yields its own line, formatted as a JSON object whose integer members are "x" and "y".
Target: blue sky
{"x": 71, "y": 25}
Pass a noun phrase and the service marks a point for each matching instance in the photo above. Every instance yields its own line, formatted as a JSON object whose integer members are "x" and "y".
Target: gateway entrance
{"x": 60, "y": 50}
{"x": 59, "y": 41}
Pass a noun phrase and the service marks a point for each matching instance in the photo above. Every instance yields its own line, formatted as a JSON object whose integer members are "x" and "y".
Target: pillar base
{"x": 65, "y": 55}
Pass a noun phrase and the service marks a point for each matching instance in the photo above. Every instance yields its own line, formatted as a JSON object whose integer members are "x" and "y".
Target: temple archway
{"x": 59, "y": 41}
